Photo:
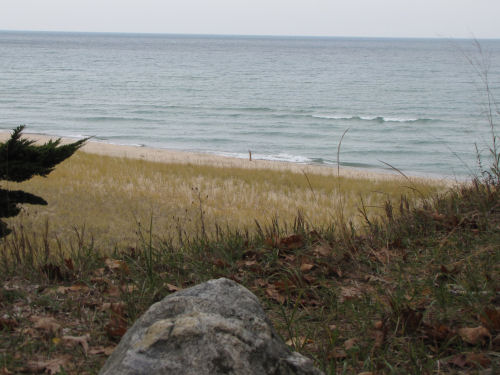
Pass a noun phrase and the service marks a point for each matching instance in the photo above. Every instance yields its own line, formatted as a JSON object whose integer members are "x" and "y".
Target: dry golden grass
{"x": 112, "y": 196}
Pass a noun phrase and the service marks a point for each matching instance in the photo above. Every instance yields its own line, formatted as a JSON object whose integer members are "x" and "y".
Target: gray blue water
{"x": 415, "y": 104}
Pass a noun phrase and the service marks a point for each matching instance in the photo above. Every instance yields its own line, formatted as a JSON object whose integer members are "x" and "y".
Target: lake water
{"x": 415, "y": 104}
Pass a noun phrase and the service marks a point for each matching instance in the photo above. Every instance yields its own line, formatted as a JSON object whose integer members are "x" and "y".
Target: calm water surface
{"x": 415, "y": 104}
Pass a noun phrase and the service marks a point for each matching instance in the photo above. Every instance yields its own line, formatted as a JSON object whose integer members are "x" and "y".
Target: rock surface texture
{"x": 217, "y": 327}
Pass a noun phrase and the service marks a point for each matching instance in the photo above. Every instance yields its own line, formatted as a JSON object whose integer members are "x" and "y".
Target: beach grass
{"x": 114, "y": 196}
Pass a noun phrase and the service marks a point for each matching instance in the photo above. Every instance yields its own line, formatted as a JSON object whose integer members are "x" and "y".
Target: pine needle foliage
{"x": 20, "y": 160}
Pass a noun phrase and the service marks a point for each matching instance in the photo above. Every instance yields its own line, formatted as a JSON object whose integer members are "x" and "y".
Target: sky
{"x": 363, "y": 18}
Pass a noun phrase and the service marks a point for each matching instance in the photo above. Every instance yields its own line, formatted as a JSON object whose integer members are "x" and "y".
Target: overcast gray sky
{"x": 385, "y": 18}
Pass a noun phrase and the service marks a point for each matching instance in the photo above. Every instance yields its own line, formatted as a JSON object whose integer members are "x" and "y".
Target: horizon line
{"x": 244, "y": 35}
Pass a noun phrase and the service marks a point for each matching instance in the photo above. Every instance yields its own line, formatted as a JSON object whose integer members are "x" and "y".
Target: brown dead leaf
{"x": 274, "y": 294}
{"x": 305, "y": 266}
{"x": 437, "y": 216}
{"x": 8, "y": 324}
{"x": 71, "y": 341}
{"x": 52, "y": 366}
{"x": 260, "y": 283}
{"x": 292, "y": 242}
{"x": 349, "y": 344}
{"x": 113, "y": 306}
{"x": 69, "y": 264}
{"x": 99, "y": 271}
{"x": 438, "y": 332}
{"x": 117, "y": 325}
{"x": 73, "y": 288}
{"x": 48, "y": 325}
{"x": 491, "y": 318}
{"x": 349, "y": 292}
{"x": 172, "y": 288}
{"x": 323, "y": 250}
{"x": 250, "y": 264}
{"x": 470, "y": 360}
{"x": 102, "y": 350}
{"x": 449, "y": 270}
{"x": 220, "y": 263}
{"x": 116, "y": 265}
{"x": 379, "y": 338}
{"x": 496, "y": 341}
{"x": 298, "y": 342}
{"x": 52, "y": 271}
{"x": 474, "y": 336}
{"x": 113, "y": 290}
{"x": 128, "y": 288}
{"x": 337, "y": 353}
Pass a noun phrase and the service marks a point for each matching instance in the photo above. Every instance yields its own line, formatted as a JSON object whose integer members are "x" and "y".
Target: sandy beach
{"x": 183, "y": 157}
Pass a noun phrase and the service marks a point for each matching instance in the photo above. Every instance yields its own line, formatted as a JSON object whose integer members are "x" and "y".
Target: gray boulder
{"x": 217, "y": 327}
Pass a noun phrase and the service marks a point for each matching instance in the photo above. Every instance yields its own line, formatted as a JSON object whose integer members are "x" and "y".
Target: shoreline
{"x": 169, "y": 156}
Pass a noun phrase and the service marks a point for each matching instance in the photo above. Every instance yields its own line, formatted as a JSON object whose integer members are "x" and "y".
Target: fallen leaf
{"x": 474, "y": 336}
{"x": 113, "y": 291}
{"x": 172, "y": 288}
{"x": 437, "y": 216}
{"x": 470, "y": 360}
{"x": 349, "y": 344}
{"x": 53, "y": 366}
{"x": 99, "y": 272}
{"x": 304, "y": 267}
{"x": 220, "y": 263}
{"x": 411, "y": 319}
{"x": 69, "y": 264}
{"x": 337, "y": 353}
{"x": 117, "y": 325}
{"x": 379, "y": 338}
{"x": 271, "y": 242}
{"x": 102, "y": 350}
{"x": 298, "y": 342}
{"x": 292, "y": 242}
{"x": 113, "y": 306}
{"x": 349, "y": 292}
{"x": 52, "y": 271}
{"x": 274, "y": 294}
{"x": 8, "y": 324}
{"x": 439, "y": 332}
{"x": 128, "y": 288}
{"x": 73, "y": 288}
{"x": 71, "y": 341}
{"x": 322, "y": 250}
{"x": 450, "y": 270}
{"x": 47, "y": 324}
{"x": 491, "y": 318}
{"x": 117, "y": 265}
{"x": 260, "y": 283}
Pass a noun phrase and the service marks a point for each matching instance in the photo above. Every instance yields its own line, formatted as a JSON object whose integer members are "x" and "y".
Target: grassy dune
{"x": 411, "y": 287}
{"x": 112, "y": 196}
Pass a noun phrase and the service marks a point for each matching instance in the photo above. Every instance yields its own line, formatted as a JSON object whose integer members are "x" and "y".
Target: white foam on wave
{"x": 370, "y": 118}
{"x": 278, "y": 157}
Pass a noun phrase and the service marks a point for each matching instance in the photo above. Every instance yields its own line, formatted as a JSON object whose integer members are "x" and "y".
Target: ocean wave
{"x": 246, "y": 109}
{"x": 114, "y": 118}
{"x": 380, "y": 119}
{"x": 277, "y": 157}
